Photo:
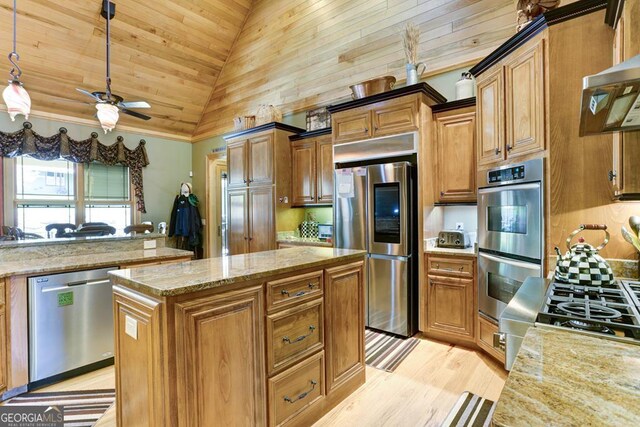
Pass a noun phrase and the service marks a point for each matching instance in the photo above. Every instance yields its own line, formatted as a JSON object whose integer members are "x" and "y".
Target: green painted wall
{"x": 169, "y": 161}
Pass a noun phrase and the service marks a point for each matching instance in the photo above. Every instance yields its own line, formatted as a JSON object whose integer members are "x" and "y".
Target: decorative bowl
{"x": 372, "y": 87}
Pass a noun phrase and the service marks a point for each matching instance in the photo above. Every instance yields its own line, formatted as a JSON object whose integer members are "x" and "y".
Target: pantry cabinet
{"x": 312, "y": 171}
{"x": 511, "y": 105}
{"x": 455, "y": 137}
{"x": 259, "y": 186}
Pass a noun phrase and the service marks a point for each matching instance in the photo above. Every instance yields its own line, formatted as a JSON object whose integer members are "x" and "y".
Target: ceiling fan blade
{"x": 86, "y": 92}
{"x": 135, "y": 114}
{"x": 134, "y": 104}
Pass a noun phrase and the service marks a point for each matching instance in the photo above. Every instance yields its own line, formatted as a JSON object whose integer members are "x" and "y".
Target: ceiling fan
{"x": 108, "y": 103}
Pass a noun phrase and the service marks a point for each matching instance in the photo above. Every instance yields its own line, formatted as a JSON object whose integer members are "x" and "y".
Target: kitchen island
{"x": 565, "y": 378}
{"x": 273, "y": 337}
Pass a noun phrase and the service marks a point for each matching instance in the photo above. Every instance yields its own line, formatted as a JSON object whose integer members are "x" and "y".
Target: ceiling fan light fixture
{"x": 107, "y": 115}
{"x": 17, "y": 100}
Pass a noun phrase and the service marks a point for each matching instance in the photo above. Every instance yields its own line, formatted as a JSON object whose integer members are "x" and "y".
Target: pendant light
{"x": 15, "y": 96}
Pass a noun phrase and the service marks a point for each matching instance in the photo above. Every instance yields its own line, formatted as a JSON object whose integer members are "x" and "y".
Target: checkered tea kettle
{"x": 582, "y": 265}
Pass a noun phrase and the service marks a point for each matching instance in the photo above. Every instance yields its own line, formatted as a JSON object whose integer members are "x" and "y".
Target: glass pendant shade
{"x": 17, "y": 100}
{"x": 108, "y": 116}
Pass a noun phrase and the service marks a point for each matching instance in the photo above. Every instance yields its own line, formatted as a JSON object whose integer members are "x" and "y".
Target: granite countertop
{"x": 193, "y": 276}
{"x": 563, "y": 378}
{"x": 431, "y": 248}
{"x": 93, "y": 260}
{"x": 71, "y": 240}
{"x": 299, "y": 241}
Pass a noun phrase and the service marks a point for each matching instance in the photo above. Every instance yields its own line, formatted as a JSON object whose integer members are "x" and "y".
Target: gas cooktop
{"x": 612, "y": 310}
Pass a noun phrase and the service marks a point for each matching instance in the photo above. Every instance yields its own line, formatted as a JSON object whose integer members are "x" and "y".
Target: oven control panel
{"x": 509, "y": 174}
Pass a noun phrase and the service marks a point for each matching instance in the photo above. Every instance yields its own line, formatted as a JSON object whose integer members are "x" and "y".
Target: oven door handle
{"x": 519, "y": 264}
{"x": 532, "y": 186}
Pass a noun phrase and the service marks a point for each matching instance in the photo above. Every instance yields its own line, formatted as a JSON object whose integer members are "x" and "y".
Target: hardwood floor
{"x": 419, "y": 393}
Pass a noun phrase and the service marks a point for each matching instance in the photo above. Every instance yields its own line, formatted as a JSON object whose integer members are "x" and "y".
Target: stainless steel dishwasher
{"x": 70, "y": 324}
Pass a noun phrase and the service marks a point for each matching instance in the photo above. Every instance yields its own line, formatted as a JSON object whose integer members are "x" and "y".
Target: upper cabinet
{"x": 250, "y": 161}
{"x": 455, "y": 136}
{"x": 511, "y": 105}
{"x": 390, "y": 116}
{"x": 312, "y": 171}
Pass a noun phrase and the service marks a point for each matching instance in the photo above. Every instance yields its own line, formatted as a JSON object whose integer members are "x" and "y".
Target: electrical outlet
{"x": 459, "y": 225}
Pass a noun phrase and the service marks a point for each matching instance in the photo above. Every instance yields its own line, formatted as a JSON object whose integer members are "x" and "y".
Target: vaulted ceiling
{"x": 167, "y": 52}
{"x": 199, "y": 63}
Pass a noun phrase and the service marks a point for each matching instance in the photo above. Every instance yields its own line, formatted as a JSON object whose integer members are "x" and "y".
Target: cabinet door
{"x": 324, "y": 171}
{"x": 237, "y": 222}
{"x": 525, "y": 102}
{"x": 450, "y": 306}
{"x": 344, "y": 320}
{"x": 395, "y": 116}
{"x": 220, "y": 363}
{"x": 456, "y": 146}
{"x": 261, "y": 160}
{"x": 237, "y": 175}
{"x": 351, "y": 125}
{"x": 303, "y": 180}
{"x": 262, "y": 231}
{"x": 490, "y": 94}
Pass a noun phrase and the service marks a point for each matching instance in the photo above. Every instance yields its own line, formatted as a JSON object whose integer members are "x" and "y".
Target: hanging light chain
{"x": 15, "y": 72}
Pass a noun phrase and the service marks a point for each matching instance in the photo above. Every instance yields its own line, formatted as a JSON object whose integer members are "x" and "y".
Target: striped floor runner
{"x": 386, "y": 352}
{"x": 470, "y": 410}
{"x": 81, "y": 408}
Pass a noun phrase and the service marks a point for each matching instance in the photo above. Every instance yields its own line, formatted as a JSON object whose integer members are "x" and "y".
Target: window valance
{"x": 26, "y": 142}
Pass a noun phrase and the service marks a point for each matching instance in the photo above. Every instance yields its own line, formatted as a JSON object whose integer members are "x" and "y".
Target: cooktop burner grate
{"x": 605, "y": 310}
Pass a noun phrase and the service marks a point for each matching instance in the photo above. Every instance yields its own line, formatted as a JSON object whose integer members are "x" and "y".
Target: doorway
{"x": 216, "y": 190}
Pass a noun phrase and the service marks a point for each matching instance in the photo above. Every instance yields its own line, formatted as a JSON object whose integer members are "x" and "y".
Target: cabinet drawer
{"x": 486, "y": 329}
{"x": 295, "y": 390}
{"x": 450, "y": 266}
{"x": 293, "y": 334}
{"x": 292, "y": 290}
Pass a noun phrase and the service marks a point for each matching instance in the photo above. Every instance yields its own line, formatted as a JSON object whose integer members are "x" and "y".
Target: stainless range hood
{"x": 611, "y": 99}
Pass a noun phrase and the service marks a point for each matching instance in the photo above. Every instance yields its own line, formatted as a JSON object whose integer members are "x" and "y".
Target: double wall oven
{"x": 510, "y": 232}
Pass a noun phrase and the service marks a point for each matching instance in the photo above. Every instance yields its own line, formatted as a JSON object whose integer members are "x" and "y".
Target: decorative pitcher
{"x": 413, "y": 76}
{"x": 582, "y": 265}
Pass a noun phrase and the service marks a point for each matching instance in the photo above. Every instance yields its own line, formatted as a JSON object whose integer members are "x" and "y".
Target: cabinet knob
{"x": 244, "y": 180}
{"x": 437, "y": 265}
{"x": 509, "y": 147}
{"x": 246, "y": 238}
{"x": 366, "y": 130}
{"x": 442, "y": 193}
{"x": 612, "y": 175}
{"x": 375, "y": 128}
{"x": 461, "y": 268}
{"x": 498, "y": 151}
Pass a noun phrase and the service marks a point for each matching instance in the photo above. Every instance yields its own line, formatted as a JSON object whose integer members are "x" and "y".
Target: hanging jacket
{"x": 185, "y": 220}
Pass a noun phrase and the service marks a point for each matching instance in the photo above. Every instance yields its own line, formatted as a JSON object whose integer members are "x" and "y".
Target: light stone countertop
{"x": 193, "y": 276}
{"x": 299, "y": 241}
{"x": 562, "y": 378}
{"x": 431, "y": 248}
{"x": 43, "y": 265}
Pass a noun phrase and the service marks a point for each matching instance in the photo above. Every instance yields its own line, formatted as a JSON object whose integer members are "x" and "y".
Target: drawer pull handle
{"x": 300, "y": 293}
{"x": 303, "y": 394}
{"x": 301, "y": 337}
{"x": 461, "y": 268}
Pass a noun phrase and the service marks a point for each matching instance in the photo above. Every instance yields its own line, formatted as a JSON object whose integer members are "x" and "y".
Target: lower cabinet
{"x": 449, "y": 299}
{"x": 486, "y": 328}
{"x": 3, "y": 338}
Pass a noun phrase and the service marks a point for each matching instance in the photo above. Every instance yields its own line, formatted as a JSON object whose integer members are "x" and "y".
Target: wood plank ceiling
{"x": 297, "y": 54}
{"x": 167, "y": 52}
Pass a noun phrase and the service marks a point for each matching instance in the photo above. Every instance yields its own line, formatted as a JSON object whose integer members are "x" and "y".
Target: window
{"x": 50, "y": 192}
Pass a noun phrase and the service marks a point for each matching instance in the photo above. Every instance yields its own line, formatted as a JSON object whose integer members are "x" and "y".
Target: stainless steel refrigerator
{"x": 374, "y": 210}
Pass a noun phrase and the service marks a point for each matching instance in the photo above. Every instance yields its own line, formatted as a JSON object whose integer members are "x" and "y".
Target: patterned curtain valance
{"x": 26, "y": 142}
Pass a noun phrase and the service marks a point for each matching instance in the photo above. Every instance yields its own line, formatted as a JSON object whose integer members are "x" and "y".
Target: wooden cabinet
{"x": 450, "y": 305}
{"x": 486, "y": 328}
{"x": 259, "y": 187}
{"x": 250, "y": 161}
{"x": 344, "y": 296}
{"x": 390, "y": 117}
{"x": 448, "y": 301}
{"x": 456, "y": 156}
{"x": 312, "y": 171}
{"x": 511, "y": 105}
{"x": 221, "y": 370}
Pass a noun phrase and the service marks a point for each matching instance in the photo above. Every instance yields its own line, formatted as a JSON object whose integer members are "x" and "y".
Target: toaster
{"x": 455, "y": 239}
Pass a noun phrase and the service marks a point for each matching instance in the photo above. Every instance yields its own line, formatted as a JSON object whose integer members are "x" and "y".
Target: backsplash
{"x": 468, "y": 215}
{"x": 323, "y": 215}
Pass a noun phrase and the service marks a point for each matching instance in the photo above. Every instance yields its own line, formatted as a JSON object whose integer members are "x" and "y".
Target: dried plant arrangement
{"x": 410, "y": 42}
